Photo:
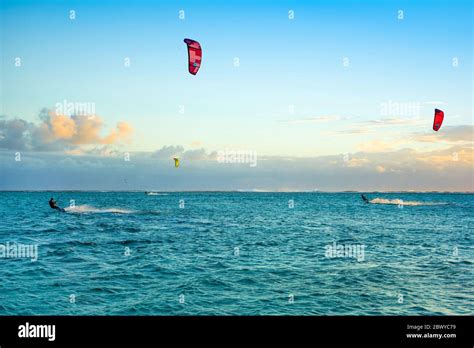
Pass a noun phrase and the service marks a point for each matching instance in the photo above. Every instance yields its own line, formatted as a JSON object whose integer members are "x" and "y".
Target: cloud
{"x": 380, "y": 169}
{"x": 318, "y": 119}
{"x": 13, "y": 134}
{"x": 55, "y": 132}
{"x": 75, "y": 152}
{"x": 456, "y": 156}
{"x": 376, "y": 146}
{"x": 451, "y": 134}
{"x": 168, "y": 152}
{"x": 371, "y": 126}
{"x": 198, "y": 154}
{"x": 356, "y": 162}
{"x": 350, "y": 131}
{"x": 61, "y": 127}
{"x": 121, "y": 133}
{"x": 410, "y": 160}
{"x": 394, "y": 121}
{"x": 404, "y": 169}
{"x": 82, "y": 130}
{"x": 105, "y": 150}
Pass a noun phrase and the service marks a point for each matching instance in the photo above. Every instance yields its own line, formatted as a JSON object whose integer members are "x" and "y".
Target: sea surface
{"x": 237, "y": 253}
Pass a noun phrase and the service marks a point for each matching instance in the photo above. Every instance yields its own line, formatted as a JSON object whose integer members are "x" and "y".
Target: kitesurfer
{"x": 366, "y": 200}
{"x": 52, "y": 204}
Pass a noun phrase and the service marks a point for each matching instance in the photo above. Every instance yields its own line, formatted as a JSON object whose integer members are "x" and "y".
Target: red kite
{"x": 194, "y": 55}
{"x": 438, "y": 119}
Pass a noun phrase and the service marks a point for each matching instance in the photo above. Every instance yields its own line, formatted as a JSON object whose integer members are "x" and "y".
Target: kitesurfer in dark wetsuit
{"x": 52, "y": 204}
{"x": 366, "y": 200}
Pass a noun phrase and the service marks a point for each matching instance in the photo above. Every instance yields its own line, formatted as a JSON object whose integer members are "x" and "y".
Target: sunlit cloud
{"x": 451, "y": 134}
{"x": 380, "y": 169}
{"x": 452, "y": 157}
{"x": 55, "y": 132}
{"x": 356, "y": 162}
{"x": 376, "y": 146}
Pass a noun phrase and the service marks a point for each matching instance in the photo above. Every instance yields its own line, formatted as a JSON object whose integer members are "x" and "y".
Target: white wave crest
{"x": 402, "y": 202}
{"x": 90, "y": 209}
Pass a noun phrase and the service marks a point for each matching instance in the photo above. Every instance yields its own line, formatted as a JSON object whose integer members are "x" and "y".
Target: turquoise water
{"x": 119, "y": 253}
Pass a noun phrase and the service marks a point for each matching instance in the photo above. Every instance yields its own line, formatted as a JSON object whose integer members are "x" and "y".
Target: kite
{"x": 176, "y": 162}
{"x": 194, "y": 55}
{"x": 438, "y": 119}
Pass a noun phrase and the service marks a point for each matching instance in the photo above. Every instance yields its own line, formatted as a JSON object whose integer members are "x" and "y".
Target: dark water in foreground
{"x": 238, "y": 254}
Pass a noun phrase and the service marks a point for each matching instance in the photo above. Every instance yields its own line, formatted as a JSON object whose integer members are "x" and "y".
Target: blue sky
{"x": 291, "y": 95}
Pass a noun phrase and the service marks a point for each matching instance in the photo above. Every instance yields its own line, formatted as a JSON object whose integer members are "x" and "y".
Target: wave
{"x": 156, "y": 194}
{"x": 402, "y": 202}
{"x": 90, "y": 209}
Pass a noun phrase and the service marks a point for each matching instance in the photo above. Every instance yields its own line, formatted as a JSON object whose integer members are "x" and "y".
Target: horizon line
{"x": 246, "y": 191}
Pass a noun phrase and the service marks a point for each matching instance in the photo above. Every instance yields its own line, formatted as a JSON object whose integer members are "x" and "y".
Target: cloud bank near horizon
{"x": 76, "y": 153}
{"x": 401, "y": 170}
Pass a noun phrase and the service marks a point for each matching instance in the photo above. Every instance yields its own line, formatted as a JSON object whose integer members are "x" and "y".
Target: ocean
{"x": 236, "y": 253}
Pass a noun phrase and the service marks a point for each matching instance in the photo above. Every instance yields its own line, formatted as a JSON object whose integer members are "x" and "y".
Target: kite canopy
{"x": 438, "y": 119}
{"x": 176, "y": 162}
{"x": 194, "y": 55}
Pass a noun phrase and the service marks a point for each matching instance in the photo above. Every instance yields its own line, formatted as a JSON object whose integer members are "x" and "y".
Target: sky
{"x": 329, "y": 95}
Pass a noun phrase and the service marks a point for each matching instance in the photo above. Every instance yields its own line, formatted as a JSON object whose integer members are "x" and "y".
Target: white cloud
{"x": 450, "y": 134}
{"x": 394, "y": 121}
{"x": 317, "y": 119}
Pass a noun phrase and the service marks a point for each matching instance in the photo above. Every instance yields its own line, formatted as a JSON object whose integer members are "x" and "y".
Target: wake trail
{"x": 90, "y": 209}
{"x": 402, "y": 202}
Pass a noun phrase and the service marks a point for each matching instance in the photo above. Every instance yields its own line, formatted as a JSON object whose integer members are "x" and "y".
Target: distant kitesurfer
{"x": 52, "y": 204}
{"x": 366, "y": 200}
